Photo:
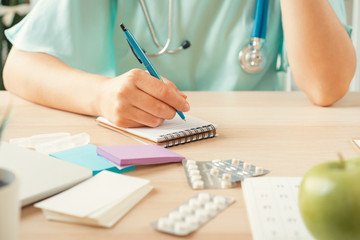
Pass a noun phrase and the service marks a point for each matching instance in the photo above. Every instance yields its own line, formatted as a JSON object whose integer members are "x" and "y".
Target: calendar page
{"x": 272, "y": 206}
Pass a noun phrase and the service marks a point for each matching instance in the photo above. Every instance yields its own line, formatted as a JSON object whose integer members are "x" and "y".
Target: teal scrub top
{"x": 86, "y": 35}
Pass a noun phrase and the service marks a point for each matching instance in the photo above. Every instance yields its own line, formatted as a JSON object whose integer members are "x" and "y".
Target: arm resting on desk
{"x": 320, "y": 51}
{"x": 132, "y": 99}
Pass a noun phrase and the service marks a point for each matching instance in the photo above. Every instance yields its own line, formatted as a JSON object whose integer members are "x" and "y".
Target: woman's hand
{"x": 136, "y": 99}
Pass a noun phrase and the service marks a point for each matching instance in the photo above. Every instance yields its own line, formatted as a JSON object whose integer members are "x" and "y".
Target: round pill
{"x": 175, "y": 216}
{"x": 235, "y": 161}
{"x": 194, "y": 203}
{"x": 225, "y": 184}
{"x": 204, "y": 197}
{"x": 165, "y": 224}
{"x": 214, "y": 171}
{"x": 185, "y": 209}
{"x": 202, "y": 214}
{"x": 192, "y": 167}
{"x": 194, "y": 172}
{"x": 199, "y": 184}
{"x": 211, "y": 208}
{"x": 219, "y": 201}
{"x": 259, "y": 170}
{"x": 190, "y": 162}
{"x": 247, "y": 166}
{"x": 226, "y": 177}
{"x": 195, "y": 178}
{"x": 193, "y": 221}
{"x": 181, "y": 228}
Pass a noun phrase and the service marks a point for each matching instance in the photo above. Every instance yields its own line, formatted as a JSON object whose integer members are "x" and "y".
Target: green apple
{"x": 329, "y": 200}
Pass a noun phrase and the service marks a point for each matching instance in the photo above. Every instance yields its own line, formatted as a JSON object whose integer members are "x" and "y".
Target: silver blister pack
{"x": 219, "y": 173}
{"x": 192, "y": 214}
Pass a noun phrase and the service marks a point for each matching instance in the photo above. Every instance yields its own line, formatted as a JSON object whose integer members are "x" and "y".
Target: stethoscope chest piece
{"x": 250, "y": 57}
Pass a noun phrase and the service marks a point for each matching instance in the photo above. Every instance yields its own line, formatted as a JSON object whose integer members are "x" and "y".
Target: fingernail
{"x": 186, "y": 107}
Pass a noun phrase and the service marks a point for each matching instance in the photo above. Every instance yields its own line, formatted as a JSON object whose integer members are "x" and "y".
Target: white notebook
{"x": 272, "y": 206}
{"x": 99, "y": 201}
{"x": 40, "y": 175}
{"x": 356, "y": 142}
{"x": 170, "y": 133}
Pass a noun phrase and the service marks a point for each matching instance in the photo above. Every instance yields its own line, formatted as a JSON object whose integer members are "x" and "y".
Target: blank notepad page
{"x": 272, "y": 206}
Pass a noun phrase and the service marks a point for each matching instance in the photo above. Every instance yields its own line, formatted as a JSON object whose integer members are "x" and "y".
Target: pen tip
{"x": 123, "y": 27}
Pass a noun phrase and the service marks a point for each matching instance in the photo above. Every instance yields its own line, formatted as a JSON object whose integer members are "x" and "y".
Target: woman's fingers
{"x": 137, "y": 99}
{"x": 165, "y": 93}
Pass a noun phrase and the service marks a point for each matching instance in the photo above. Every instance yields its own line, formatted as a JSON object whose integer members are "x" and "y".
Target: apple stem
{"x": 341, "y": 160}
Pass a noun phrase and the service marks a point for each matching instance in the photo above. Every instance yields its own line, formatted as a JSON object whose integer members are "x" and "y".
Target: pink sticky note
{"x": 124, "y": 155}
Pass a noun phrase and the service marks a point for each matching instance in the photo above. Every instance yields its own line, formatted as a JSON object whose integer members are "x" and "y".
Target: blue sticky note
{"x": 86, "y": 156}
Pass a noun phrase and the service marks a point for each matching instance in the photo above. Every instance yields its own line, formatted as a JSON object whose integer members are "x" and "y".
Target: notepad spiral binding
{"x": 189, "y": 135}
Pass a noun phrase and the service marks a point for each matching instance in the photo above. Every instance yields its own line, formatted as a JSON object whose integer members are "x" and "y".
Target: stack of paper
{"x": 100, "y": 201}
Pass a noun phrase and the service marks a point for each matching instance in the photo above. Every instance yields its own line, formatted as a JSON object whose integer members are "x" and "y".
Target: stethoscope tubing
{"x": 251, "y": 58}
{"x": 163, "y": 49}
{"x": 260, "y": 19}
{"x": 168, "y": 41}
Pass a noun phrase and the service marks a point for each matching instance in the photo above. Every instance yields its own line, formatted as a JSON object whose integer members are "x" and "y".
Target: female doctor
{"x": 72, "y": 55}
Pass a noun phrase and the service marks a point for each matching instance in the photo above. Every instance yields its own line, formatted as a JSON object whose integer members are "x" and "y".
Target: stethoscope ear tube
{"x": 163, "y": 49}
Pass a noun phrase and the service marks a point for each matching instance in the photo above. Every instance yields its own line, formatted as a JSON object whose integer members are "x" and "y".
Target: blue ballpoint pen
{"x": 141, "y": 56}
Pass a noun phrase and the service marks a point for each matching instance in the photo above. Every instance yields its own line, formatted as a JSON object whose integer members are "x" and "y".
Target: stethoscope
{"x": 250, "y": 57}
{"x": 163, "y": 49}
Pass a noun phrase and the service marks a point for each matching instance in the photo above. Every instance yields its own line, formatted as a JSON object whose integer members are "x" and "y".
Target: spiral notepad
{"x": 170, "y": 132}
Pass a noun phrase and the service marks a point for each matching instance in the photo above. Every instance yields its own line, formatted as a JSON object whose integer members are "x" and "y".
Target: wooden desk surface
{"x": 280, "y": 131}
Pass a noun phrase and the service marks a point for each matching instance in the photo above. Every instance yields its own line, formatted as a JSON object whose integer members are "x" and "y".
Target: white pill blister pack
{"x": 192, "y": 214}
{"x": 219, "y": 173}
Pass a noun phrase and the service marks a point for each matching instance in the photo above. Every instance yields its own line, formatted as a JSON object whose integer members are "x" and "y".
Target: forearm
{"x": 132, "y": 99}
{"x": 320, "y": 52}
{"x": 44, "y": 79}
